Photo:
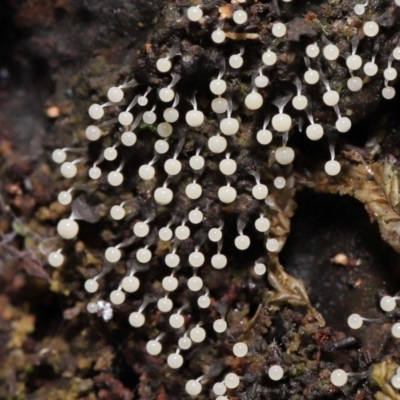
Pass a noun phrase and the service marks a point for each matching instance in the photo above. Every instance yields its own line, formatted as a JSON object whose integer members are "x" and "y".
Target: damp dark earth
{"x": 199, "y": 199}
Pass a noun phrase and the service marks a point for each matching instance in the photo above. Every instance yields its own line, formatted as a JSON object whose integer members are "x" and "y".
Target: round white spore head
{"x": 339, "y": 377}
{"x": 67, "y": 228}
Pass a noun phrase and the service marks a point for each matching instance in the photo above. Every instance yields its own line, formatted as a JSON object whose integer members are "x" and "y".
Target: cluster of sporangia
{"x": 166, "y": 165}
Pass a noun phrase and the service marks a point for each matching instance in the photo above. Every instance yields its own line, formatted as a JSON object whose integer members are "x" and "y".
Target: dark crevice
{"x": 324, "y": 226}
